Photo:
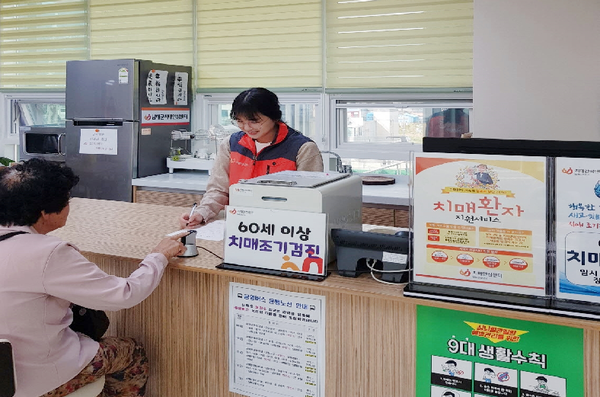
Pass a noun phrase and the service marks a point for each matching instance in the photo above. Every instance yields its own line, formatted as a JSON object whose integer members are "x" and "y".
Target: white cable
{"x": 381, "y": 281}
{"x": 372, "y": 268}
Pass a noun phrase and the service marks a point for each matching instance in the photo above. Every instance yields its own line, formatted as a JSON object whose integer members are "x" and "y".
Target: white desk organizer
{"x": 190, "y": 163}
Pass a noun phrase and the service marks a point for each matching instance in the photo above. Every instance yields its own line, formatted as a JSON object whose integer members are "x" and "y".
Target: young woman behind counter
{"x": 264, "y": 145}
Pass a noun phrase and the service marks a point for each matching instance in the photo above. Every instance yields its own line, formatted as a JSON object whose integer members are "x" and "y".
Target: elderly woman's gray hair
{"x": 33, "y": 186}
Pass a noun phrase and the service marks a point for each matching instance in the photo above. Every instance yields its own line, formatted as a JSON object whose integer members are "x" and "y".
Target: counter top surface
{"x": 195, "y": 181}
{"x": 131, "y": 230}
{"x": 181, "y": 180}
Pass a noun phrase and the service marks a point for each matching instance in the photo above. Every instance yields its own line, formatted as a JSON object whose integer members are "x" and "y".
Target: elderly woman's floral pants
{"x": 124, "y": 364}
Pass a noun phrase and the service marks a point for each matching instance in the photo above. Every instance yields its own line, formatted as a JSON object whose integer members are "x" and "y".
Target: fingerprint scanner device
{"x": 386, "y": 254}
{"x": 337, "y": 195}
{"x": 189, "y": 241}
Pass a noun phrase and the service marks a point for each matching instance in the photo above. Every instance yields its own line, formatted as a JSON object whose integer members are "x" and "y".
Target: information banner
{"x": 462, "y": 354}
{"x": 578, "y": 229}
{"x": 180, "y": 89}
{"x": 156, "y": 84}
{"x": 276, "y": 342}
{"x": 480, "y": 222}
{"x": 293, "y": 241}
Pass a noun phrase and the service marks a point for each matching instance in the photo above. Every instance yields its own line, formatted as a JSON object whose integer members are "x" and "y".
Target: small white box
{"x": 337, "y": 195}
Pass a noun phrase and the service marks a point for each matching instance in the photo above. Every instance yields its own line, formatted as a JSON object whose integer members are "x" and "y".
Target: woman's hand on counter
{"x": 190, "y": 222}
{"x": 171, "y": 246}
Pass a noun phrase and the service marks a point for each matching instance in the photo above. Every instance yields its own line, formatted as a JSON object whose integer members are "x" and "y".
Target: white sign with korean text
{"x": 276, "y": 342}
{"x": 578, "y": 229}
{"x": 98, "y": 141}
{"x": 480, "y": 222}
{"x": 160, "y": 116}
{"x": 156, "y": 87}
{"x": 180, "y": 89}
{"x": 293, "y": 241}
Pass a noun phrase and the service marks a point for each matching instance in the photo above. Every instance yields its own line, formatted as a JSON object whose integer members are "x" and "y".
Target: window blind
{"x": 160, "y": 30}
{"x": 249, "y": 43}
{"x": 399, "y": 43}
{"x": 37, "y": 38}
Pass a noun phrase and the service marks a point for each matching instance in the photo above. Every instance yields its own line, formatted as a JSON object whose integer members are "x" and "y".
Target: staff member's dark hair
{"x": 251, "y": 102}
{"x": 33, "y": 186}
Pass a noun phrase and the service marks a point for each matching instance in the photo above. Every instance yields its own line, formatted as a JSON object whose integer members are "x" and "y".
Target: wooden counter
{"x": 370, "y": 327}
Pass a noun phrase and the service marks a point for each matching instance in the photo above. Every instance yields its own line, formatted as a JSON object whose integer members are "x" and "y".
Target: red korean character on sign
{"x": 490, "y": 205}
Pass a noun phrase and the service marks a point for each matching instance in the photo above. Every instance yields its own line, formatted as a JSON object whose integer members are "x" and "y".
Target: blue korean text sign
{"x": 462, "y": 354}
{"x": 294, "y": 241}
{"x": 578, "y": 229}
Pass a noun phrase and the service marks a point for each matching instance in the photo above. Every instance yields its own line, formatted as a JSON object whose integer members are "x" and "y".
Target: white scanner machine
{"x": 338, "y": 195}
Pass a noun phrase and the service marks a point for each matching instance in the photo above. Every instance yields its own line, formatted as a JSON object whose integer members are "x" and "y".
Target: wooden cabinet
{"x": 397, "y": 216}
{"x": 170, "y": 199}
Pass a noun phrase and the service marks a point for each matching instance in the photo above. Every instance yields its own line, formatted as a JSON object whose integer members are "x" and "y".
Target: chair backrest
{"x": 7, "y": 370}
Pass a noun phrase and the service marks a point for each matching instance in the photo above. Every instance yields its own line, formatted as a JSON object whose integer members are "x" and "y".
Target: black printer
{"x": 377, "y": 253}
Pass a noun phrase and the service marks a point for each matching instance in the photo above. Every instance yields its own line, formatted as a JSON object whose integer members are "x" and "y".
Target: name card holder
{"x": 276, "y": 242}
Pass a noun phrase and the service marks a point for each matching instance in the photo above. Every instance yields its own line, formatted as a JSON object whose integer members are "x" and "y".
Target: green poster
{"x": 462, "y": 354}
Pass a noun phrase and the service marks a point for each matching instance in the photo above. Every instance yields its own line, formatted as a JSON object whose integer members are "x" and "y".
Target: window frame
{"x": 9, "y": 107}
{"x": 206, "y": 115}
{"x": 378, "y": 151}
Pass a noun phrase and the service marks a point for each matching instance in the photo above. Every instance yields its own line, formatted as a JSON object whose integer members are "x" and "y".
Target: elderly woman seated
{"x": 42, "y": 275}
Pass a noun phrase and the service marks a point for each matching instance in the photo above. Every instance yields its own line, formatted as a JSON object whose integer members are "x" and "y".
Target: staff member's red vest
{"x": 245, "y": 163}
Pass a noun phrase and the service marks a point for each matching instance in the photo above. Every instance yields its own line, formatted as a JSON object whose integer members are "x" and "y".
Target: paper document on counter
{"x": 213, "y": 231}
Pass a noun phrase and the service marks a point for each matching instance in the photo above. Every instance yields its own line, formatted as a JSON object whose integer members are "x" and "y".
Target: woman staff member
{"x": 264, "y": 145}
{"x": 41, "y": 275}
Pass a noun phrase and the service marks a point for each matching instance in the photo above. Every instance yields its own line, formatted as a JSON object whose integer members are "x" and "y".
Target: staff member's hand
{"x": 190, "y": 222}
{"x": 171, "y": 246}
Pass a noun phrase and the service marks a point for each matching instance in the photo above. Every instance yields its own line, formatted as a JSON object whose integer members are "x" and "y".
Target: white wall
{"x": 536, "y": 72}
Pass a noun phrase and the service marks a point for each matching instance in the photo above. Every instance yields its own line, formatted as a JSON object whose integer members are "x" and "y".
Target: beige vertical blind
{"x": 37, "y": 38}
{"x": 270, "y": 43}
{"x": 399, "y": 43}
{"x": 159, "y": 30}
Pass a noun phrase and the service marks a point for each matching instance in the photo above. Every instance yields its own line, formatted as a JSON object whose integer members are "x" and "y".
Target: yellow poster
{"x": 480, "y": 222}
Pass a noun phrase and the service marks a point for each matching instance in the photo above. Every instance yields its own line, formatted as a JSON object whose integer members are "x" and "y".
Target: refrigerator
{"x": 120, "y": 114}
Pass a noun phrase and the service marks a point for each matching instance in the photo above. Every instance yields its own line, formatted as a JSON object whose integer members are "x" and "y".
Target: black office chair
{"x": 7, "y": 370}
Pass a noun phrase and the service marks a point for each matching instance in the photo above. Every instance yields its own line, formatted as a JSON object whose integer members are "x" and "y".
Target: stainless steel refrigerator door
{"x": 153, "y": 150}
{"x": 103, "y": 89}
{"x": 103, "y": 176}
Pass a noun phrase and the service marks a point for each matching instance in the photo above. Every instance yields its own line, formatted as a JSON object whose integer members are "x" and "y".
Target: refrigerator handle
{"x": 61, "y": 137}
{"x": 98, "y": 122}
